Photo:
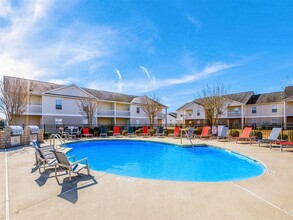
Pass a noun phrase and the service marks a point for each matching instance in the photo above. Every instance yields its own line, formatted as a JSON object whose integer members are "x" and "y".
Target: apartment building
{"x": 54, "y": 104}
{"x": 171, "y": 119}
{"x": 244, "y": 108}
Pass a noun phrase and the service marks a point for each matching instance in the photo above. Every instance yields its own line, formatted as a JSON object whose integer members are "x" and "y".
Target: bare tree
{"x": 88, "y": 107}
{"x": 14, "y": 97}
{"x": 214, "y": 101}
{"x": 151, "y": 106}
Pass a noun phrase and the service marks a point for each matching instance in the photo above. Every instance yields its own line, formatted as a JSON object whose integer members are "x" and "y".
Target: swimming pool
{"x": 161, "y": 161}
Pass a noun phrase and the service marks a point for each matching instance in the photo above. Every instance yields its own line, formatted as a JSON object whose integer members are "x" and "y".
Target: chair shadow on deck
{"x": 69, "y": 189}
{"x": 44, "y": 176}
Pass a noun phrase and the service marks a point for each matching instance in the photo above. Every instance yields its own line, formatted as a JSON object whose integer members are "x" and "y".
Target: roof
{"x": 41, "y": 87}
{"x": 185, "y": 105}
{"x": 270, "y": 97}
{"x": 173, "y": 114}
{"x": 241, "y": 97}
{"x": 266, "y": 98}
{"x": 288, "y": 92}
{"x": 253, "y": 99}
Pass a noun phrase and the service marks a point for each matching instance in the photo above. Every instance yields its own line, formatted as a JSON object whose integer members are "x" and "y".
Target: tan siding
{"x": 289, "y": 108}
{"x": 122, "y": 107}
{"x": 265, "y": 110}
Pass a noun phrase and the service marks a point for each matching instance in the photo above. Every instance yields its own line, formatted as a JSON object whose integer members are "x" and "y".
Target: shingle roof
{"x": 270, "y": 97}
{"x": 183, "y": 106}
{"x": 266, "y": 98}
{"x": 110, "y": 96}
{"x": 288, "y": 92}
{"x": 241, "y": 97}
{"x": 40, "y": 87}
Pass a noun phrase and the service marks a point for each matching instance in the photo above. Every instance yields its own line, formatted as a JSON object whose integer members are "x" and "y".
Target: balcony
{"x": 121, "y": 113}
{"x": 33, "y": 110}
{"x": 234, "y": 114}
{"x": 161, "y": 116}
{"x": 111, "y": 113}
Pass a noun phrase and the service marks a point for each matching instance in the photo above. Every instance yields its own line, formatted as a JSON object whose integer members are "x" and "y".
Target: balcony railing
{"x": 33, "y": 109}
{"x": 122, "y": 113}
{"x": 234, "y": 114}
{"x": 111, "y": 113}
{"x": 161, "y": 115}
{"x": 105, "y": 112}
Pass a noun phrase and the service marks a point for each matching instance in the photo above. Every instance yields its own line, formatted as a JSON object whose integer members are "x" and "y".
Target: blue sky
{"x": 170, "y": 48}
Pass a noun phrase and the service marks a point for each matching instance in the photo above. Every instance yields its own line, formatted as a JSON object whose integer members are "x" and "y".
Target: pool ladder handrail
{"x": 187, "y": 136}
{"x": 53, "y": 138}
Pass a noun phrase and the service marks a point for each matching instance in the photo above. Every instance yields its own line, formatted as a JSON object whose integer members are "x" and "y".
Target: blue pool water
{"x": 152, "y": 160}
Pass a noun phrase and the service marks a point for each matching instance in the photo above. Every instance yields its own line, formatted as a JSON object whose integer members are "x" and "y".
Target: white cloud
{"x": 145, "y": 70}
{"x": 120, "y": 83}
{"x": 118, "y": 74}
{"x": 193, "y": 21}
{"x": 140, "y": 86}
{"x": 209, "y": 69}
{"x": 36, "y": 47}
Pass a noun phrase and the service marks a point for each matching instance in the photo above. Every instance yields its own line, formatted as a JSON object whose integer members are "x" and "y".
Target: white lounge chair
{"x": 272, "y": 138}
{"x": 222, "y": 132}
{"x": 44, "y": 156}
{"x": 75, "y": 167}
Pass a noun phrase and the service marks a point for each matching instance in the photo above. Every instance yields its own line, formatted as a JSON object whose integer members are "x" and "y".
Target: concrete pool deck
{"x": 26, "y": 194}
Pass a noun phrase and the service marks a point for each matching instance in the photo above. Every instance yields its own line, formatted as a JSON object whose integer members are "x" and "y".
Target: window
{"x": 253, "y": 121}
{"x": 253, "y": 110}
{"x": 274, "y": 108}
{"x": 274, "y": 121}
{"x": 198, "y": 122}
{"x": 198, "y": 112}
{"x": 58, "y": 122}
{"x": 137, "y": 110}
{"x": 190, "y": 113}
{"x": 59, "y": 104}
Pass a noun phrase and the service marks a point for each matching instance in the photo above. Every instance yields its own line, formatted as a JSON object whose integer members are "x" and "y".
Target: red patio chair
{"x": 86, "y": 133}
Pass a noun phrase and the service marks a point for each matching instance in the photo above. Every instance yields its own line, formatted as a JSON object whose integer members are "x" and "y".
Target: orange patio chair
{"x": 204, "y": 132}
{"x": 176, "y": 132}
{"x": 245, "y": 135}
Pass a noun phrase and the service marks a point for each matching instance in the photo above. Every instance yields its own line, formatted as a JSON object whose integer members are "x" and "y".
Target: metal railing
{"x": 33, "y": 109}
{"x": 187, "y": 136}
{"x": 55, "y": 137}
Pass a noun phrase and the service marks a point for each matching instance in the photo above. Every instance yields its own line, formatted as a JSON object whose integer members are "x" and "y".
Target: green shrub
{"x": 290, "y": 135}
{"x": 124, "y": 132}
{"x": 166, "y": 132}
{"x": 138, "y": 131}
{"x": 285, "y": 137}
{"x": 197, "y": 130}
{"x": 151, "y": 132}
{"x": 110, "y": 133}
{"x": 258, "y": 134}
{"x": 234, "y": 133}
